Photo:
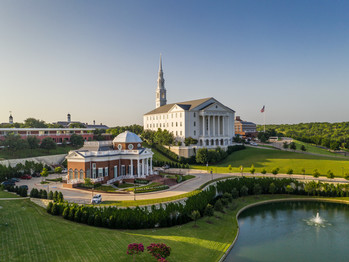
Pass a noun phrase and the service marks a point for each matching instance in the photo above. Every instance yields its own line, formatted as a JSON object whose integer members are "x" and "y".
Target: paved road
{"x": 82, "y": 196}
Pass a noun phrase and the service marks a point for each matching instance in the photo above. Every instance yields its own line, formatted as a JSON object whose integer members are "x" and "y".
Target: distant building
{"x": 109, "y": 161}
{"x": 69, "y": 123}
{"x": 245, "y": 129}
{"x": 206, "y": 120}
{"x": 57, "y": 134}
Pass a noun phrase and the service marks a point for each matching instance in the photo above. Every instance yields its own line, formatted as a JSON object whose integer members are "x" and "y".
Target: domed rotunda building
{"x": 110, "y": 161}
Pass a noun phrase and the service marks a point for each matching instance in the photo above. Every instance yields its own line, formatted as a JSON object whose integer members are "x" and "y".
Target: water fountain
{"x": 317, "y": 219}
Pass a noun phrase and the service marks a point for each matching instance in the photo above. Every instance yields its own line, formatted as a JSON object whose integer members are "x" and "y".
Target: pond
{"x": 292, "y": 231}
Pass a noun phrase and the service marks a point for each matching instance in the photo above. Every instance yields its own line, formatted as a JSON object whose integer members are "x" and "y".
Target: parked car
{"x": 14, "y": 179}
{"x": 165, "y": 167}
{"x": 24, "y": 186}
{"x": 96, "y": 199}
{"x": 254, "y": 144}
{"x": 8, "y": 183}
{"x": 36, "y": 175}
{"x": 64, "y": 170}
{"x": 26, "y": 177}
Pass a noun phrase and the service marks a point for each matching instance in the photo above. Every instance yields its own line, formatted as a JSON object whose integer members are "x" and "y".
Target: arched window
{"x": 76, "y": 174}
{"x": 70, "y": 174}
{"x": 81, "y": 174}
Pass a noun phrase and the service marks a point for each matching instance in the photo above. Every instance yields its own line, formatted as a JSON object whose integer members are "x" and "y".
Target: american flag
{"x": 262, "y": 110}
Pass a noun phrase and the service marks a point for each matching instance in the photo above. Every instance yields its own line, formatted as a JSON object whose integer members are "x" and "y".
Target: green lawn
{"x": 28, "y": 233}
{"x": 24, "y": 153}
{"x": 269, "y": 159}
{"x": 313, "y": 149}
{"x": 4, "y": 194}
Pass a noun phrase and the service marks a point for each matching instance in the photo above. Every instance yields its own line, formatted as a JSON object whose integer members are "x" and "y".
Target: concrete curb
{"x": 268, "y": 202}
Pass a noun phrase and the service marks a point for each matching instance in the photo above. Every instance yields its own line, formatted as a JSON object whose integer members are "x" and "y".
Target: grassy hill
{"x": 269, "y": 159}
{"x": 311, "y": 148}
{"x": 25, "y": 153}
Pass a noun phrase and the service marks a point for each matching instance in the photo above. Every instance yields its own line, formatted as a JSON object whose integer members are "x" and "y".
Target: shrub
{"x": 264, "y": 171}
{"x": 159, "y": 251}
{"x": 346, "y": 176}
{"x": 228, "y": 196}
{"x": 316, "y": 173}
{"x": 71, "y": 213}
{"x": 77, "y": 215}
{"x": 225, "y": 201}
{"x": 209, "y": 211}
{"x": 289, "y": 171}
{"x": 135, "y": 249}
{"x": 54, "y": 210}
{"x": 252, "y": 170}
{"x": 244, "y": 191}
{"x": 234, "y": 193}
{"x": 275, "y": 171}
{"x": 65, "y": 213}
{"x": 195, "y": 215}
{"x": 272, "y": 188}
{"x": 218, "y": 206}
{"x": 257, "y": 189}
{"x": 330, "y": 174}
{"x": 98, "y": 220}
{"x": 289, "y": 189}
{"x": 50, "y": 195}
{"x": 49, "y": 207}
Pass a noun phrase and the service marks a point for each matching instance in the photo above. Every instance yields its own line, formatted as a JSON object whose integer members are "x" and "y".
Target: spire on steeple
{"x": 160, "y": 91}
{"x": 10, "y": 118}
{"x": 160, "y": 64}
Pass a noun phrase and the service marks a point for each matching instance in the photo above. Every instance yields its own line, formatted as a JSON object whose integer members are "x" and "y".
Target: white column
{"x": 209, "y": 126}
{"x": 214, "y": 125}
{"x": 151, "y": 165}
{"x": 147, "y": 166}
{"x": 223, "y": 127}
{"x": 131, "y": 168}
{"x": 138, "y": 168}
{"x": 203, "y": 125}
{"x": 219, "y": 126}
{"x": 142, "y": 167}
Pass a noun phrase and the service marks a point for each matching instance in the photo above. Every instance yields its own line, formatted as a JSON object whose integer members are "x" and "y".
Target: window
{"x": 176, "y": 133}
{"x": 194, "y": 123}
{"x": 106, "y": 171}
{"x": 130, "y": 146}
{"x": 94, "y": 170}
{"x": 119, "y": 146}
{"x": 176, "y": 123}
{"x": 76, "y": 174}
{"x": 172, "y": 124}
{"x": 88, "y": 173}
{"x": 115, "y": 171}
{"x": 194, "y": 133}
{"x": 100, "y": 172}
{"x": 180, "y": 123}
{"x": 194, "y": 114}
{"x": 81, "y": 174}
{"x": 70, "y": 174}
{"x": 181, "y": 133}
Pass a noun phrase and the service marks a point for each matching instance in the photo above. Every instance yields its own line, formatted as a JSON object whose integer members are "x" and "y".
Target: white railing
{"x": 110, "y": 152}
{"x": 99, "y": 179}
{"x": 111, "y": 181}
{"x": 75, "y": 181}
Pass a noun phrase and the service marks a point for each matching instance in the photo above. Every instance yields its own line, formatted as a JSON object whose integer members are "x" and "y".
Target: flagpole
{"x": 264, "y": 119}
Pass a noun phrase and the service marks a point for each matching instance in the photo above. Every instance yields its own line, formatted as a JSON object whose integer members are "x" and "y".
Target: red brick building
{"x": 245, "y": 129}
{"x": 57, "y": 134}
{"x": 109, "y": 161}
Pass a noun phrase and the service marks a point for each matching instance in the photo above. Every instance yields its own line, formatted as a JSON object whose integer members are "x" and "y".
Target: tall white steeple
{"x": 160, "y": 90}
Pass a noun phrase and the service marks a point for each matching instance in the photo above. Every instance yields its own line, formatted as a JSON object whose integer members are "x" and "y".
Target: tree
{"x": 289, "y": 189}
{"x": 135, "y": 249}
{"x": 264, "y": 171}
{"x": 218, "y": 206}
{"x": 285, "y": 145}
{"x": 230, "y": 168}
{"x": 34, "y": 123}
{"x": 289, "y": 171}
{"x": 48, "y": 144}
{"x": 275, "y": 171}
{"x": 303, "y": 148}
{"x": 252, "y": 170}
{"x": 44, "y": 172}
{"x": 190, "y": 141}
{"x": 76, "y": 140}
{"x": 195, "y": 215}
{"x": 257, "y": 189}
{"x": 58, "y": 170}
{"x": 272, "y": 188}
{"x": 293, "y": 146}
{"x": 244, "y": 191}
{"x": 33, "y": 142}
{"x": 14, "y": 142}
{"x": 202, "y": 155}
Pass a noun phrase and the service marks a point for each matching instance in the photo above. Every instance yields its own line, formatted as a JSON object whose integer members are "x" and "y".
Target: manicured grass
{"x": 28, "y": 233}
{"x": 143, "y": 202}
{"x": 187, "y": 177}
{"x": 313, "y": 149}
{"x": 4, "y": 194}
{"x": 24, "y": 153}
{"x": 158, "y": 156}
{"x": 125, "y": 185}
{"x": 269, "y": 159}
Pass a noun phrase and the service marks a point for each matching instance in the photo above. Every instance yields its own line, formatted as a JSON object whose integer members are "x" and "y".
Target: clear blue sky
{"x": 98, "y": 60}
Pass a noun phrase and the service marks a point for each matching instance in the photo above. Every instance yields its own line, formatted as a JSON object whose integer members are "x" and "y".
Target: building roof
{"x": 127, "y": 137}
{"x": 187, "y": 105}
{"x": 96, "y": 146}
{"x": 97, "y": 126}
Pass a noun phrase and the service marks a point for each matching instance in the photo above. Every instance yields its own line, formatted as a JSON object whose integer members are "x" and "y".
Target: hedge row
{"x": 151, "y": 189}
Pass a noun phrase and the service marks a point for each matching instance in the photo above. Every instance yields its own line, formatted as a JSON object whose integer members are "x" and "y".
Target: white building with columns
{"x": 207, "y": 120}
{"x": 110, "y": 161}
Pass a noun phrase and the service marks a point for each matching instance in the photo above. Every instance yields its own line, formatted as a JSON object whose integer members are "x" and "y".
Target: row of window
{"x": 165, "y": 116}
{"x": 173, "y": 124}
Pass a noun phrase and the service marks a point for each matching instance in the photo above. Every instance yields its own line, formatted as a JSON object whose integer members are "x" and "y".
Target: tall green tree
{"x": 76, "y": 140}
{"x": 33, "y": 142}
{"x": 48, "y": 144}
